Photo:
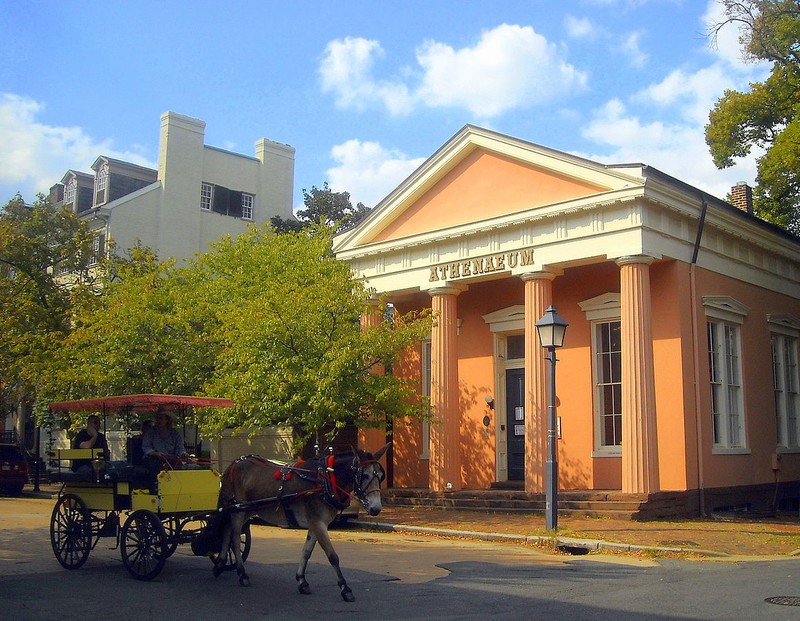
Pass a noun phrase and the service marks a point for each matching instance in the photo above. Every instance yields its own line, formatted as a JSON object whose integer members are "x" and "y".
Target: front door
{"x": 515, "y": 423}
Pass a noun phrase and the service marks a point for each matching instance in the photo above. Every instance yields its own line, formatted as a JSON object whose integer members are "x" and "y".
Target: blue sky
{"x": 364, "y": 90}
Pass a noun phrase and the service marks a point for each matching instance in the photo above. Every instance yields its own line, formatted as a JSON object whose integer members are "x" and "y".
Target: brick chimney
{"x": 742, "y": 197}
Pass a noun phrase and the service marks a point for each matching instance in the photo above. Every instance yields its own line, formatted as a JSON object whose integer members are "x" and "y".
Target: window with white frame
{"x": 247, "y": 206}
{"x": 608, "y": 384}
{"x": 98, "y": 248}
{"x": 604, "y": 313}
{"x": 69, "y": 192}
{"x": 724, "y": 317}
{"x": 784, "y": 332}
{"x": 100, "y": 183}
{"x": 206, "y": 196}
{"x": 425, "y": 371}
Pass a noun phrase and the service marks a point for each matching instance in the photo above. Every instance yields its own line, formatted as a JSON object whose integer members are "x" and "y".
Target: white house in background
{"x": 198, "y": 193}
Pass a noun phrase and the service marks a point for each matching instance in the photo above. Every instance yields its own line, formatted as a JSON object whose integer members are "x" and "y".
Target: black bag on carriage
{"x": 209, "y": 541}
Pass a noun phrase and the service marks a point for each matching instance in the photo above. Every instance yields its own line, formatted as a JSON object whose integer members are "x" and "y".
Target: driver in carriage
{"x": 162, "y": 444}
{"x": 89, "y": 438}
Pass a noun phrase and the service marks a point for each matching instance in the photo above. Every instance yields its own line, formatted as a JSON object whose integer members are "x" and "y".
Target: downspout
{"x": 696, "y": 355}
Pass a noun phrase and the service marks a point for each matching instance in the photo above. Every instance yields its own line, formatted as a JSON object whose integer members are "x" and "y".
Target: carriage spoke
{"x": 143, "y": 545}
{"x": 71, "y": 531}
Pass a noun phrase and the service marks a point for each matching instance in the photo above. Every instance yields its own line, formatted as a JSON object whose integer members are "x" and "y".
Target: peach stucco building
{"x": 678, "y": 377}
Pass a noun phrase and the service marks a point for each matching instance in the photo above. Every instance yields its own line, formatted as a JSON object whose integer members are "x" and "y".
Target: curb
{"x": 567, "y": 544}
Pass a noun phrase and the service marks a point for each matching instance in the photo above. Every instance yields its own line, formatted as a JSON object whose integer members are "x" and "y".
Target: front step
{"x": 592, "y": 503}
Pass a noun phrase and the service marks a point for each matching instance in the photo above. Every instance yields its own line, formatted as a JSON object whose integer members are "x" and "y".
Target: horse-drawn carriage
{"x": 210, "y": 511}
{"x": 147, "y": 519}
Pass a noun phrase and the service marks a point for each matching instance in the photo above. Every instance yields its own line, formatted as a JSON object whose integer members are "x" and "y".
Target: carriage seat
{"x": 67, "y": 476}
{"x": 63, "y": 459}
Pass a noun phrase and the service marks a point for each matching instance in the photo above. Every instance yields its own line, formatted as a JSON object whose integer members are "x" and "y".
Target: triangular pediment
{"x": 479, "y": 176}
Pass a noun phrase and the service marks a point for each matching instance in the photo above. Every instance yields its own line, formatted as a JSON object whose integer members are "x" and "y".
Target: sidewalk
{"x": 722, "y": 536}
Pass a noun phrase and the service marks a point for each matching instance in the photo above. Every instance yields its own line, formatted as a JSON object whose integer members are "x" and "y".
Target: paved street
{"x": 393, "y": 576}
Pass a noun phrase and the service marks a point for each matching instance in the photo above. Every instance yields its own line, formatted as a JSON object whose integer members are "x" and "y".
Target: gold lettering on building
{"x": 499, "y": 262}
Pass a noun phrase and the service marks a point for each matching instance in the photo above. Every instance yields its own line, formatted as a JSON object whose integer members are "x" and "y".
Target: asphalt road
{"x": 393, "y": 576}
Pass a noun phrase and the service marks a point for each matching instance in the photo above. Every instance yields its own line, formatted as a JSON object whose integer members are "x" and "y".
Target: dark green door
{"x": 515, "y": 423}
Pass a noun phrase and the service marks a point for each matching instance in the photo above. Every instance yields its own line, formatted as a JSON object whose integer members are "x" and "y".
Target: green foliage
{"x": 323, "y": 207}
{"x": 766, "y": 117}
{"x": 37, "y": 243}
{"x": 270, "y": 321}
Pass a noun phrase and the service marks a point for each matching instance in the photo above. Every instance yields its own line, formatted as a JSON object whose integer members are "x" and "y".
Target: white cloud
{"x": 668, "y": 129}
{"x": 34, "y": 156}
{"x": 368, "y": 171}
{"x": 509, "y": 67}
{"x": 347, "y": 71}
{"x": 579, "y": 27}
{"x": 630, "y": 47}
{"x": 676, "y": 148}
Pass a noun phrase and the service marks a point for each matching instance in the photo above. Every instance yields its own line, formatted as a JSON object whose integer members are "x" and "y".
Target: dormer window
{"x": 69, "y": 192}
{"x": 100, "y": 183}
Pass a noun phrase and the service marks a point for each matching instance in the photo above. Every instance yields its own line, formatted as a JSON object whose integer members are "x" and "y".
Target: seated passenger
{"x": 162, "y": 446}
{"x": 89, "y": 438}
{"x": 134, "y": 444}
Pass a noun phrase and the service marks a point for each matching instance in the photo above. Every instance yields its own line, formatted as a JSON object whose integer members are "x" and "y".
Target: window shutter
{"x": 221, "y": 198}
{"x": 235, "y": 204}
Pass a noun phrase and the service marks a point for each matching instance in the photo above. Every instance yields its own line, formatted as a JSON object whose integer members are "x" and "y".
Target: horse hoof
{"x": 348, "y": 596}
{"x": 218, "y": 571}
{"x": 304, "y": 589}
{"x": 244, "y": 581}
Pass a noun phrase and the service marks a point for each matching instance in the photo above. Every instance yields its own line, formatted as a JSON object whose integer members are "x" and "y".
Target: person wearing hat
{"x": 162, "y": 444}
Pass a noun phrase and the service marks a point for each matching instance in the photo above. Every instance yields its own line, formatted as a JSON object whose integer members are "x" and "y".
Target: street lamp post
{"x": 551, "y": 329}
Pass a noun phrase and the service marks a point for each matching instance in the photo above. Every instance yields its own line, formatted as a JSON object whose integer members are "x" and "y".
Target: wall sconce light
{"x": 490, "y": 401}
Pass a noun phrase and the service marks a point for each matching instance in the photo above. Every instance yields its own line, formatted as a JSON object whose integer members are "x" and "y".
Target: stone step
{"x": 592, "y": 503}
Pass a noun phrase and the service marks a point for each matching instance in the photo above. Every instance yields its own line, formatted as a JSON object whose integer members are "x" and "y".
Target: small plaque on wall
{"x": 519, "y": 430}
{"x": 519, "y": 412}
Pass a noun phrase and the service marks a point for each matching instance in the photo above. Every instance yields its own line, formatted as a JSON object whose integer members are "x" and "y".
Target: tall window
{"x": 724, "y": 317}
{"x": 785, "y": 381}
{"x": 724, "y": 361}
{"x": 247, "y": 206}
{"x": 98, "y": 248}
{"x": 100, "y": 183}
{"x": 608, "y": 387}
{"x": 206, "y": 196}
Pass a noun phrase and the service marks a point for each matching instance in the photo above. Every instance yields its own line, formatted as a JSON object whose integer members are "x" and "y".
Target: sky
{"x": 365, "y": 91}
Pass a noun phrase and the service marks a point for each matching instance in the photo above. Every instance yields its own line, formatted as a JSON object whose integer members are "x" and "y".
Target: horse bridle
{"x": 374, "y": 483}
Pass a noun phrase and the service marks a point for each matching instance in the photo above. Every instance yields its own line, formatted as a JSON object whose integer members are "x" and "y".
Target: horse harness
{"x": 323, "y": 476}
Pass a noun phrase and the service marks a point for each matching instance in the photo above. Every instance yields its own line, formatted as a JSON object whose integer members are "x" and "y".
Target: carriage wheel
{"x": 143, "y": 545}
{"x": 172, "y": 528}
{"x": 244, "y": 546}
{"x": 71, "y": 531}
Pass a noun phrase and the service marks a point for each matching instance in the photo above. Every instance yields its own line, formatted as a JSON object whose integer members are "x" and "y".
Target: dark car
{"x": 13, "y": 469}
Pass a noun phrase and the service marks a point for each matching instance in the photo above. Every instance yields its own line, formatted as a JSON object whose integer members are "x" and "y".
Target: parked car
{"x": 13, "y": 469}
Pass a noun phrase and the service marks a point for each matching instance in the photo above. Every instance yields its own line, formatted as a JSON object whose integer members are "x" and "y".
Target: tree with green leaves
{"x": 323, "y": 207}
{"x": 768, "y": 116}
{"x": 269, "y": 321}
{"x": 47, "y": 267}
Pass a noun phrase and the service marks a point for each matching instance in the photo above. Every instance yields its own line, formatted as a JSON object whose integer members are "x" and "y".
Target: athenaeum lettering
{"x": 467, "y": 268}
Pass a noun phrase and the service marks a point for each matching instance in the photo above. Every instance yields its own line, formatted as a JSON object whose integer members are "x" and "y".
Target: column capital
{"x": 630, "y": 259}
{"x": 446, "y": 290}
{"x": 538, "y": 275}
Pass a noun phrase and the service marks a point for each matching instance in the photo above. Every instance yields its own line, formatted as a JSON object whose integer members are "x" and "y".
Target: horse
{"x": 308, "y": 494}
